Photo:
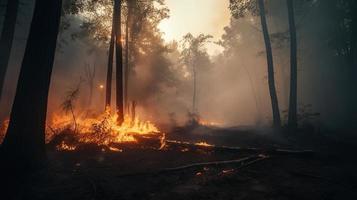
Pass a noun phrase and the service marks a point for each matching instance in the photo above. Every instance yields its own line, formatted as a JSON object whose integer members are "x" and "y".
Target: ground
{"x": 136, "y": 173}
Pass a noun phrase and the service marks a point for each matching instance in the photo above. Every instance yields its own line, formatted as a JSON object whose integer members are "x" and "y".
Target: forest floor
{"x": 134, "y": 173}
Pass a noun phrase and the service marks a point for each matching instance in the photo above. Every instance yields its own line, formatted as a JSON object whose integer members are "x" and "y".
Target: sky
{"x": 196, "y": 16}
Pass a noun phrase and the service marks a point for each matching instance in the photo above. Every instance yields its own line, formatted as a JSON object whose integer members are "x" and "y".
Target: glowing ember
{"x": 115, "y": 149}
{"x": 205, "y": 144}
{"x": 208, "y": 123}
{"x": 199, "y": 173}
{"x": 227, "y": 171}
{"x": 65, "y": 147}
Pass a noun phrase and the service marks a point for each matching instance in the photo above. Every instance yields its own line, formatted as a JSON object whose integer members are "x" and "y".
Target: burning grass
{"x": 67, "y": 132}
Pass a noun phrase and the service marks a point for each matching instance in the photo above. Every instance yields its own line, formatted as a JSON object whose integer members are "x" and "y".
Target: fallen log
{"x": 303, "y": 153}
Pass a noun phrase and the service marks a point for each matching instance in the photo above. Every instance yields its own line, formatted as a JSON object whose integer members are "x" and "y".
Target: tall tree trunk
{"x": 271, "y": 78}
{"x": 24, "y": 143}
{"x": 6, "y": 39}
{"x": 292, "y": 118}
{"x": 126, "y": 75}
{"x": 119, "y": 63}
{"x": 108, "y": 89}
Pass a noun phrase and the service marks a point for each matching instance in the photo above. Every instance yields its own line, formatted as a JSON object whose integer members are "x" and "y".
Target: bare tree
{"x": 69, "y": 101}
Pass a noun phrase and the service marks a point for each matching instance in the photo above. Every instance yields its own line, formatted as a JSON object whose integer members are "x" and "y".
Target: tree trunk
{"x": 6, "y": 39}
{"x": 126, "y": 75}
{"x": 24, "y": 143}
{"x": 292, "y": 118}
{"x": 271, "y": 79}
{"x": 108, "y": 89}
{"x": 119, "y": 63}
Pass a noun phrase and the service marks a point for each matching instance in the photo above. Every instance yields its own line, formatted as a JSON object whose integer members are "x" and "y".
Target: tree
{"x": 119, "y": 63}
{"x": 239, "y": 9}
{"x": 129, "y": 5}
{"x": 7, "y": 36}
{"x": 108, "y": 89}
{"x": 24, "y": 143}
{"x": 292, "y": 118}
{"x": 193, "y": 55}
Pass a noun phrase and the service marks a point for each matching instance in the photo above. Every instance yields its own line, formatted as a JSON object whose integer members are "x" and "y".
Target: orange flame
{"x": 104, "y": 129}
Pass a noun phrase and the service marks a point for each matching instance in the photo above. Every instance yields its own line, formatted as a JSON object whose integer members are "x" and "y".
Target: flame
{"x": 101, "y": 130}
{"x": 104, "y": 129}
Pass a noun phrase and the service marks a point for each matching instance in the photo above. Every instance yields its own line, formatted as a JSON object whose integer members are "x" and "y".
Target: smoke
{"x": 232, "y": 86}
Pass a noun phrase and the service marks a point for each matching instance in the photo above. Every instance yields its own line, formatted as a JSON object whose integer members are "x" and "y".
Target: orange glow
{"x": 204, "y": 144}
{"x": 208, "y": 123}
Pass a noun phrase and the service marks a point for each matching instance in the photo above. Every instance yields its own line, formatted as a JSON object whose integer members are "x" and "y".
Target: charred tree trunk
{"x": 108, "y": 89}
{"x": 271, "y": 78}
{"x": 24, "y": 143}
{"x": 7, "y": 36}
{"x": 292, "y": 118}
{"x": 126, "y": 75}
{"x": 119, "y": 63}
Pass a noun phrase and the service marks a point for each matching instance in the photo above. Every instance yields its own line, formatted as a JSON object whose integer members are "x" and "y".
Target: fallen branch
{"x": 247, "y": 150}
{"x": 243, "y": 162}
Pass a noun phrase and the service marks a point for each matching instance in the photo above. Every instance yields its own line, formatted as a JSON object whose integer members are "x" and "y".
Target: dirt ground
{"x": 136, "y": 173}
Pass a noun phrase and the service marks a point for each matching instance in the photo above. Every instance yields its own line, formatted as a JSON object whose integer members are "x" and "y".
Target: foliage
{"x": 193, "y": 52}
{"x": 240, "y": 8}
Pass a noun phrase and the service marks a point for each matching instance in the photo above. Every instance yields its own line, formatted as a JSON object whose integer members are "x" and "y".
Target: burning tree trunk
{"x": 108, "y": 92}
{"x": 24, "y": 143}
{"x": 292, "y": 119}
{"x": 271, "y": 79}
{"x": 119, "y": 63}
{"x": 6, "y": 39}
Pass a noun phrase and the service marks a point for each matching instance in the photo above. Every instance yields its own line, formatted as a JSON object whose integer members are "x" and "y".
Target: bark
{"x": 119, "y": 63}
{"x": 271, "y": 78}
{"x": 292, "y": 118}
{"x": 7, "y": 36}
{"x": 108, "y": 89}
{"x": 24, "y": 143}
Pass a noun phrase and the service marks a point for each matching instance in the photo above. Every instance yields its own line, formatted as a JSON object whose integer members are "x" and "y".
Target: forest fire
{"x": 102, "y": 130}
